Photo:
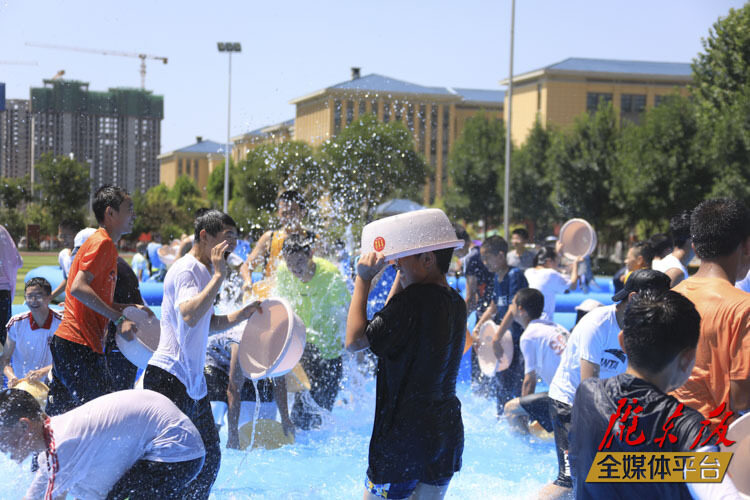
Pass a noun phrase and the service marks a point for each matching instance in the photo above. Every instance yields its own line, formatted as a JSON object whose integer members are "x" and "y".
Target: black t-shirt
{"x": 595, "y": 402}
{"x": 418, "y": 338}
{"x": 473, "y": 266}
{"x": 127, "y": 291}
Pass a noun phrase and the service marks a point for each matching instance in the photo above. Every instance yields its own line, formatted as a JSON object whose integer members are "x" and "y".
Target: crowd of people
{"x": 676, "y": 343}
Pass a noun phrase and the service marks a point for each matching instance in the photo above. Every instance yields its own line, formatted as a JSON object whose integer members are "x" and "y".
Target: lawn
{"x": 30, "y": 261}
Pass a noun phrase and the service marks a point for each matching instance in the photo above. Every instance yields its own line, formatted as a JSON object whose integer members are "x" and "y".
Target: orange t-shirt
{"x": 80, "y": 324}
{"x": 723, "y": 352}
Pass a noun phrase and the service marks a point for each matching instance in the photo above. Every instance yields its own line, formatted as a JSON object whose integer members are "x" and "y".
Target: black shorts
{"x": 560, "y": 414}
{"x": 217, "y": 381}
{"x": 537, "y": 406}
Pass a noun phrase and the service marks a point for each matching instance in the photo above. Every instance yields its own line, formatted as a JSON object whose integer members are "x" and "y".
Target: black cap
{"x": 643, "y": 279}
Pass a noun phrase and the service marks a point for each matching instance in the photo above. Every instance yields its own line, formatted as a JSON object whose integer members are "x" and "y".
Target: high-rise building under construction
{"x": 15, "y": 138}
{"x": 116, "y": 133}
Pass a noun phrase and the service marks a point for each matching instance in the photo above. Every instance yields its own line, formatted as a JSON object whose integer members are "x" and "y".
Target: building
{"x": 272, "y": 134}
{"x": 116, "y": 133}
{"x": 558, "y": 93}
{"x": 435, "y": 115}
{"x": 196, "y": 161}
{"x": 15, "y": 138}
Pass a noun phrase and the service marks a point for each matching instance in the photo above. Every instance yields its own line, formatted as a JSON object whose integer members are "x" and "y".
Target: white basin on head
{"x": 578, "y": 239}
{"x": 410, "y": 233}
{"x": 146, "y": 341}
{"x": 273, "y": 340}
{"x": 488, "y": 362}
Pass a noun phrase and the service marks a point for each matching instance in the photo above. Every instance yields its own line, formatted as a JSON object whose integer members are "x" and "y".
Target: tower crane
{"x": 142, "y": 57}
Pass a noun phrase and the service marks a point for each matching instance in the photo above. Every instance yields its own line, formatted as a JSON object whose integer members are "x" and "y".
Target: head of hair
{"x": 213, "y": 221}
{"x": 718, "y": 227}
{"x": 543, "y": 255}
{"x": 661, "y": 243}
{"x": 659, "y": 326}
{"x": 107, "y": 196}
{"x": 295, "y": 243}
{"x": 461, "y": 233}
{"x": 141, "y": 246}
{"x": 522, "y": 232}
{"x": 645, "y": 250}
{"x": 292, "y": 196}
{"x": 41, "y": 283}
{"x": 443, "y": 259}
{"x": 71, "y": 225}
{"x": 495, "y": 244}
{"x": 531, "y": 300}
{"x": 16, "y": 404}
{"x": 679, "y": 228}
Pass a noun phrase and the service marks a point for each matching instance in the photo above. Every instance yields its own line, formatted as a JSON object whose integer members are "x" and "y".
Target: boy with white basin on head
{"x": 417, "y": 438}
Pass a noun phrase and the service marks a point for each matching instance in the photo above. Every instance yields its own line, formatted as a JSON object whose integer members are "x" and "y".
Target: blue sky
{"x": 293, "y": 48}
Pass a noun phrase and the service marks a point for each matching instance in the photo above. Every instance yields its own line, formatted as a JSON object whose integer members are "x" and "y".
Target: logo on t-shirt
{"x": 618, "y": 353}
{"x": 379, "y": 244}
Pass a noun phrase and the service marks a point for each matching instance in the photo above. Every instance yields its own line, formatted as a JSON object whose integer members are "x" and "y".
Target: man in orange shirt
{"x": 79, "y": 372}
{"x": 720, "y": 229}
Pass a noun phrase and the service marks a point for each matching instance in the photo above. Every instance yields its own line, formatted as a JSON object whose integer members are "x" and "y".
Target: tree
{"x": 531, "y": 183}
{"x": 476, "y": 166}
{"x": 15, "y": 190}
{"x": 369, "y": 162}
{"x": 64, "y": 186}
{"x": 582, "y": 161}
{"x": 186, "y": 195}
{"x": 215, "y": 184}
{"x": 661, "y": 170}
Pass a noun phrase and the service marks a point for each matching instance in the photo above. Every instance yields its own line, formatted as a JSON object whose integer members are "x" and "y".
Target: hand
{"x": 369, "y": 265}
{"x": 218, "y": 260}
{"x": 128, "y": 329}
{"x": 251, "y": 309}
{"x": 558, "y": 246}
{"x": 12, "y": 382}
{"x": 497, "y": 347}
{"x": 233, "y": 440}
{"x": 288, "y": 426}
{"x": 34, "y": 375}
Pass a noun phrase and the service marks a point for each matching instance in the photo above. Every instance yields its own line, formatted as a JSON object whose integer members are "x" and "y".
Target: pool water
{"x": 331, "y": 462}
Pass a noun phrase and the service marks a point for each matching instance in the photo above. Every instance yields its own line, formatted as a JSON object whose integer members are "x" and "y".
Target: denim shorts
{"x": 400, "y": 490}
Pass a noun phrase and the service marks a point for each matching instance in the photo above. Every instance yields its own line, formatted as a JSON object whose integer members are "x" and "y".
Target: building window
{"x": 433, "y": 134}
{"x": 386, "y": 111}
{"x": 660, "y": 99}
{"x": 422, "y": 125}
{"x": 374, "y": 107}
{"x": 446, "y": 130}
{"x": 538, "y": 96}
{"x": 336, "y": 116}
{"x": 349, "y": 112}
{"x": 362, "y": 108}
{"x": 594, "y": 98}
{"x": 195, "y": 170}
{"x": 187, "y": 167}
{"x": 398, "y": 111}
{"x": 179, "y": 167}
{"x": 631, "y": 107}
{"x": 410, "y": 117}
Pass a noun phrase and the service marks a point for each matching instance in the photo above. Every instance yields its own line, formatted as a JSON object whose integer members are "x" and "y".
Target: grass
{"x": 32, "y": 260}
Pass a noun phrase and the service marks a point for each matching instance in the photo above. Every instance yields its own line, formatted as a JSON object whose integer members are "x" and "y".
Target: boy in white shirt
{"x": 26, "y": 353}
{"x": 542, "y": 343}
{"x": 128, "y": 444}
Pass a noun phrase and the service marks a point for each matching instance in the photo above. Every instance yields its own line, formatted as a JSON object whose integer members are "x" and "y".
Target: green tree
{"x": 661, "y": 170}
{"x": 531, "y": 182}
{"x": 215, "y": 184}
{"x": 186, "y": 196}
{"x": 369, "y": 162}
{"x": 476, "y": 167}
{"x": 15, "y": 190}
{"x": 582, "y": 161}
{"x": 64, "y": 186}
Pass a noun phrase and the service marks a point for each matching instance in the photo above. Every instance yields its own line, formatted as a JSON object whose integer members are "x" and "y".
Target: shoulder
{"x": 17, "y": 318}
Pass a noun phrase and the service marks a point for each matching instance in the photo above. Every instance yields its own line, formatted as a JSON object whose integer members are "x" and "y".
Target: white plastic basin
{"x": 146, "y": 341}
{"x": 273, "y": 340}
{"x": 410, "y": 233}
{"x": 578, "y": 239}
{"x": 488, "y": 362}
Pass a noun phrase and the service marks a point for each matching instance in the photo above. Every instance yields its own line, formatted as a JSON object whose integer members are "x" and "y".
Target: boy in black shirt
{"x": 659, "y": 336}
{"x": 417, "y": 437}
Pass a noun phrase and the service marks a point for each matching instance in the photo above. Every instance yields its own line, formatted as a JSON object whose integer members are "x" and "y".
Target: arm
{"x": 573, "y": 283}
{"x": 676, "y": 275}
{"x": 279, "y": 395}
{"x": 395, "y": 288}
{"x": 39, "y": 373}
{"x": 471, "y": 292}
{"x": 488, "y": 314}
{"x": 222, "y": 322}
{"x": 256, "y": 256}
{"x": 497, "y": 346}
{"x": 192, "y": 310}
{"x": 588, "y": 369}
{"x": 529, "y": 384}
{"x": 5, "y": 366}
{"x": 59, "y": 289}
{"x": 356, "y": 322}
{"x": 236, "y": 380}
{"x": 739, "y": 395}
{"x": 81, "y": 290}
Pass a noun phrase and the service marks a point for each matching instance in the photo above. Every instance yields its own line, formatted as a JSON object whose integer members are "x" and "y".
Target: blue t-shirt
{"x": 473, "y": 266}
{"x": 503, "y": 294}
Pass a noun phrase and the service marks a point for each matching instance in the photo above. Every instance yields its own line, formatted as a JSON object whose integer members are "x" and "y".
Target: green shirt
{"x": 322, "y": 303}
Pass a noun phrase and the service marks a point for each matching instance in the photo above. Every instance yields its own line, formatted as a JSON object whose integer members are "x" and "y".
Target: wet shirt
{"x": 219, "y": 348}
{"x": 503, "y": 293}
{"x": 65, "y": 259}
{"x": 31, "y": 350}
{"x": 723, "y": 352}
{"x": 322, "y": 303}
{"x": 418, "y": 338}
{"x": 523, "y": 261}
{"x": 10, "y": 262}
{"x": 82, "y": 325}
{"x": 550, "y": 282}
{"x": 473, "y": 266}
{"x": 99, "y": 441}
{"x": 542, "y": 343}
{"x": 126, "y": 292}
{"x": 595, "y": 402}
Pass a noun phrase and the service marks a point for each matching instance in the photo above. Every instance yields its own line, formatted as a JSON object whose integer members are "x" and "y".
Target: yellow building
{"x": 272, "y": 134}
{"x": 196, "y": 161}
{"x": 435, "y": 115}
{"x": 558, "y": 93}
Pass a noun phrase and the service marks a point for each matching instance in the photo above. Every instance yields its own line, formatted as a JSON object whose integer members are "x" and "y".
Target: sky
{"x": 293, "y": 48}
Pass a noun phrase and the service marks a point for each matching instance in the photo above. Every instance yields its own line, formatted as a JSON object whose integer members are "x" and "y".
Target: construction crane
{"x": 142, "y": 57}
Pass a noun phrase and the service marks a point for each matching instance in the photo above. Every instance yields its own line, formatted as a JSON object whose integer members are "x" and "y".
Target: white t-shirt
{"x": 182, "y": 348}
{"x": 550, "y": 282}
{"x": 31, "y": 351}
{"x": 594, "y": 339}
{"x": 99, "y": 441}
{"x": 667, "y": 263}
{"x": 65, "y": 259}
{"x": 542, "y": 343}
